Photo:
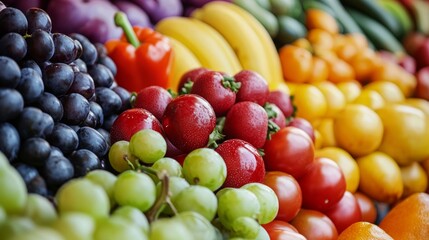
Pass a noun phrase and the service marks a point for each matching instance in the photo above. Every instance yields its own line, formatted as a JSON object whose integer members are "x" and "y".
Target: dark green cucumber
{"x": 372, "y": 9}
{"x": 376, "y": 32}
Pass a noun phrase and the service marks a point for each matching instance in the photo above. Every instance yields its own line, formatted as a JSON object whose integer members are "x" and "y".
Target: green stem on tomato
{"x": 121, "y": 21}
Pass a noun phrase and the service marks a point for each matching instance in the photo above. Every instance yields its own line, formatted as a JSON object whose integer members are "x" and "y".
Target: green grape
{"x": 4, "y": 163}
{"x": 267, "y": 199}
{"x": 197, "y": 199}
{"x": 133, "y": 215}
{"x": 245, "y": 227}
{"x": 82, "y": 195}
{"x": 198, "y": 225}
{"x": 262, "y": 234}
{"x": 104, "y": 179}
{"x": 116, "y": 229}
{"x": 13, "y": 190}
{"x": 171, "y": 166}
{"x": 204, "y": 166}
{"x": 222, "y": 191}
{"x": 75, "y": 226}
{"x": 119, "y": 153}
{"x": 169, "y": 229}
{"x": 38, "y": 233}
{"x": 148, "y": 145}
{"x": 3, "y": 216}
{"x": 175, "y": 186}
{"x": 135, "y": 189}
{"x": 237, "y": 203}
{"x": 14, "y": 225}
{"x": 39, "y": 209}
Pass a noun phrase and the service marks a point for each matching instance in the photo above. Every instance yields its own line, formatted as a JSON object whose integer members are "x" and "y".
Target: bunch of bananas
{"x": 222, "y": 37}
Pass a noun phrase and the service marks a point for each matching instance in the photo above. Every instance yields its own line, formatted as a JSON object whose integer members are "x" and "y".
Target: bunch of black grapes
{"x": 58, "y": 100}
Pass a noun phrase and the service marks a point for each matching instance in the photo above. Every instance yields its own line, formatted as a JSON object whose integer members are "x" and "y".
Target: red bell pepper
{"x": 142, "y": 56}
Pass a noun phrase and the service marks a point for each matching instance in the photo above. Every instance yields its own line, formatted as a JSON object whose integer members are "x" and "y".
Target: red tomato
{"x": 323, "y": 184}
{"x": 288, "y": 193}
{"x": 315, "y": 225}
{"x": 304, "y": 125}
{"x": 279, "y": 225}
{"x": 289, "y": 150}
{"x": 367, "y": 207}
{"x": 345, "y": 212}
{"x": 278, "y": 234}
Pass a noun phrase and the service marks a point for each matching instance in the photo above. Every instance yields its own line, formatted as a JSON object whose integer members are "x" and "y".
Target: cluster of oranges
{"x": 365, "y": 119}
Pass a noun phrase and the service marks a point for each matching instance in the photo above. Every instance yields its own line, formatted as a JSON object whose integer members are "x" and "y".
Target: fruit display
{"x": 201, "y": 119}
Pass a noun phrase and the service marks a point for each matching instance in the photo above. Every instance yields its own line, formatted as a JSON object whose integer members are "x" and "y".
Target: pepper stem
{"x": 121, "y": 21}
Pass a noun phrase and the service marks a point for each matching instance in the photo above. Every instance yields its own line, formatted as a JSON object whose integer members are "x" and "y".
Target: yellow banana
{"x": 183, "y": 61}
{"x": 210, "y": 48}
{"x": 239, "y": 34}
{"x": 266, "y": 43}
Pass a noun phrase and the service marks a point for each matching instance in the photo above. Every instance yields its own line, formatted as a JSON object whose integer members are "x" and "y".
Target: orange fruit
{"x": 394, "y": 73}
{"x": 346, "y": 163}
{"x": 296, "y": 63}
{"x": 364, "y": 231}
{"x": 364, "y": 64}
{"x": 320, "y": 39}
{"x": 380, "y": 177}
{"x": 340, "y": 71}
{"x": 315, "y": 18}
{"x": 319, "y": 72}
{"x": 408, "y": 219}
{"x": 358, "y": 129}
{"x": 414, "y": 178}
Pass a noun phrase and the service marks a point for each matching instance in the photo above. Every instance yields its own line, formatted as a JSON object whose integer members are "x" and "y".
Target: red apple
{"x": 422, "y": 88}
{"x": 408, "y": 63}
{"x": 422, "y": 54}
{"x": 413, "y": 41}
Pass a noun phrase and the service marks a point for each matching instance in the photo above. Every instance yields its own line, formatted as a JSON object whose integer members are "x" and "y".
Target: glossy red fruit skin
{"x": 247, "y": 121}
{"x": 279, "y": 119}
{"x": 253, "y": 88}
{"x": 243, "y": 163}
{"x": 190, "y": 75}
{"x": 289, "y": 150}
{"x": 345, "y": 212}
{"x": 422, "y": 88}
{"x": 132, "y": 121}
{"x": 422, "y": 54}
{"x": 304, "y": 125}
{"x": 154, "y": 99}
{"x": 209, "y": 86}
{"x": 322, "y": 185}
{"x": 188, "y": 121}
{"x": 281, "y": 100}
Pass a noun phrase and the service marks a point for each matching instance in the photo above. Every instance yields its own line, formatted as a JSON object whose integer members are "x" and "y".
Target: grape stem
{"x": 164, "y": 197}
{"x": 122, "y": 21}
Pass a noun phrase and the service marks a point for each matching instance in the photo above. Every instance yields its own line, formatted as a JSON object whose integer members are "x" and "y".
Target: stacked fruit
{"x": 58, "y": 100}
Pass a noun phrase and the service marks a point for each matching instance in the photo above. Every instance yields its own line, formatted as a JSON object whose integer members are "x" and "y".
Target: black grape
{"x": 76, "y": 108}
{"x": 38, "y": 19}
{"x": 101, "y": 50}
{"x": 64, "y": 138}
{"x": 34, "y": 182}
{"x": 31, "y": 64}
{"x": 34, "y": 151}
{"x": 125, "y": 96}
{"x": 109, "y": 101}
{"x": 108, "y": 121}
{"x": 84, "y": 161}
{"x": 12, "y": 20}
{"x": 40, "y": 46}
{"x": 13, "y": 45}
{"x": 51, "y": 105}
{"x": 31, "y": 85}
{"x": 38, "y": 186}
{"x": 32, "y": 122}
{"x": 57, "y": 170}
{"x": 109, "y": 63}
{"x": 66, "y": 49}
{"x": 105, "y": 134}
{"x": 9, "y": 141}
{"x": 90, "y": 120}
{"x": 58, "y": 77}
{"x": 102, "y": 75}
{"x": 10, "y": 72}
{"x": 26, "y": 171}
{"x": 82, "y": 84}
{"x": 11, "y": 104}
{"x": 89, "y": 52}
{"x": 81, "y": 65}
{"x": 98, "y": 112}
{"x": 92, "y": 140}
